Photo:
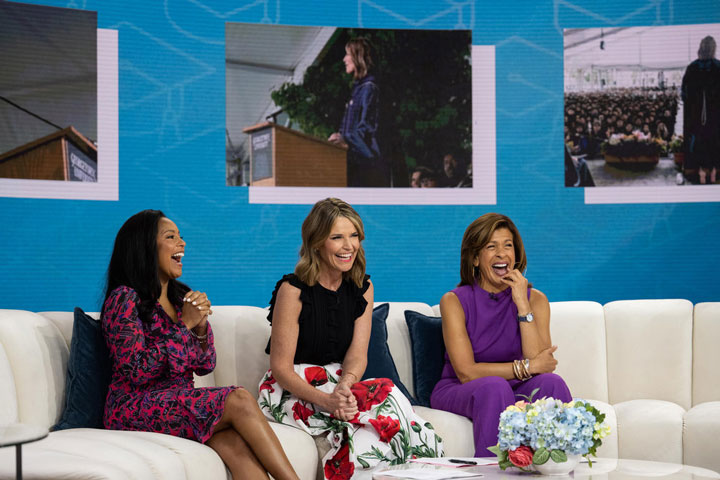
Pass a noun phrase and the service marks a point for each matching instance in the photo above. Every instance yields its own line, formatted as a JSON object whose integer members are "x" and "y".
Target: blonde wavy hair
{"x": 477, "y": 235}
{"x": 316, "y": 229}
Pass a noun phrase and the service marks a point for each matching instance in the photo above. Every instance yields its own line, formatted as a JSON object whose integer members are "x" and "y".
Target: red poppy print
{"x": 339, "y": 467}
{"x": 316, "y": 376}
{"x": 301, "y": 412}
{"x": 386, "y": 427}
{"x": 267, "y": 385}
{"x": 371, "y": 392}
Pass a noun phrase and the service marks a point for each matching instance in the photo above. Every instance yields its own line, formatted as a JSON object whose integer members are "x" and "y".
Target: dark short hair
{"x": 134, "y": 263}
{"x": 477, "y": 235}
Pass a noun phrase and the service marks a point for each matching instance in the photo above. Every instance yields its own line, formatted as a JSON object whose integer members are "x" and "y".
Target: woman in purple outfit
{"x": 497, "y": 332}
{"x": 158, "y": 334}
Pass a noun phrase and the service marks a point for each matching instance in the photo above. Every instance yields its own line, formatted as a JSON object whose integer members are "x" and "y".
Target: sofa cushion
{"x": 8, "y": 396}
{"x": 380, "y": 363}
{"x": 650, "y": 430}
{"x": 241, "y": 333}
{"x": 700, "y": 442}
{"x": 455, "y": 430}
{"x": 578, "y": 329}
{"x": 428, "y": 352}
{"x": 111, "y": 454}
{"x": 706, "y": 354}
{"x": 37, "y": 355}
{"x": 649, "y": 350}
{"x": 88, "y": 375}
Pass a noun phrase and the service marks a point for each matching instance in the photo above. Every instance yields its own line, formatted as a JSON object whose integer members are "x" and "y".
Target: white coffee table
{"x": 603, "y": 468}
{"x": 18, "y": 434}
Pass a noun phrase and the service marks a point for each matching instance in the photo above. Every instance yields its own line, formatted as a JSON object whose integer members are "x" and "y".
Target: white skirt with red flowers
{"x": 385, "y": 432}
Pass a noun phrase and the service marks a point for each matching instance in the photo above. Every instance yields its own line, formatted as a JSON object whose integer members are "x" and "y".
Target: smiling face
{"x": 338, "y": 252}
{"x": 170, "y": 250}
{"x": 348, "y": 61}
{"x": 495, "y": 260}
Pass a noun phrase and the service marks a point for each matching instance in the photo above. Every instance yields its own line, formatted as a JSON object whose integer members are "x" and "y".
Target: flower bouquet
{"x": 637, "y": 150}
{"x": 548, "y": 430}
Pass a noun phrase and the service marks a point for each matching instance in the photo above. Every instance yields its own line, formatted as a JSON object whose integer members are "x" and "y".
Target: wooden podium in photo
{"x": 281, "y": 157}
{"x": 63, "y": 155}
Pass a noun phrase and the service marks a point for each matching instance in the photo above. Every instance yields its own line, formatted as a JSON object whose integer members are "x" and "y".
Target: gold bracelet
{"x": 515, "y": 370}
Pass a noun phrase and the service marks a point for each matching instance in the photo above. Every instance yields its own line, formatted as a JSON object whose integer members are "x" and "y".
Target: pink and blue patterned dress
{"x": 152, "y": 387}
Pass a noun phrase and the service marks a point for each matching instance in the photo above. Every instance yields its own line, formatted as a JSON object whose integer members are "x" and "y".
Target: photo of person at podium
{"x": 345, "y": 107}
{"x": 359, "y": 131}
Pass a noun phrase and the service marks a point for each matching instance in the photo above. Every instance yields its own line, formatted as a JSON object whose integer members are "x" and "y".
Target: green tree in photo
{"x": 425, "y": 84}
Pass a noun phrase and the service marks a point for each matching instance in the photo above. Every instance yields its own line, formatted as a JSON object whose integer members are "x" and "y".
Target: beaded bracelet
{"x": 199, "y": 337}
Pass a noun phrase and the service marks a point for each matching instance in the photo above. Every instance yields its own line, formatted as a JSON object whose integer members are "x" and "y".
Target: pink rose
{"x": 521, "y": 456}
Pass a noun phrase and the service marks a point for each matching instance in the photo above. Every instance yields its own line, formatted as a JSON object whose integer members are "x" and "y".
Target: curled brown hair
{"x": 477, "y": 235}
{"x": 359, "y": 49}
{"x": 316, "y": 229}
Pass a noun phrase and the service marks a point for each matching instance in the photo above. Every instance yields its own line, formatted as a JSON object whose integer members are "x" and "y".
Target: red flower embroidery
{"x": 386, "y": 427}
{"x": 267, "y": 385}
{"x": 340, "y": 467}
{"x": 301, "y": 412}
{"x": 521, "y": 456}
{"x": 371, "y": 392}
{"x": 316, "y": 376}
{"x": 338, "y": 372}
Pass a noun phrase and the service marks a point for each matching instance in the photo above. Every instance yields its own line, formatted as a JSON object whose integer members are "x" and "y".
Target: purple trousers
{"x": 483, "y": 400}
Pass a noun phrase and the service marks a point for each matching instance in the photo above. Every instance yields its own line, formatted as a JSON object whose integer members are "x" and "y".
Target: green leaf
{"x": 363, "y": 462}
{"x": 558, "y": 456}
{"x": 505, "y": 464}
{"x": 495, "y": 449}
{"x": 541, "y": 456}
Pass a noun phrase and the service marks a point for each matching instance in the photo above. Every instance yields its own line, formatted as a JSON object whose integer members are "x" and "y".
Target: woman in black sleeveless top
{"x": 321, "y": 319}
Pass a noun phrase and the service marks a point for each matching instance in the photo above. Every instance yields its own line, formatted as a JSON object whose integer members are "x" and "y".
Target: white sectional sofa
{"x": 652, "y": 365}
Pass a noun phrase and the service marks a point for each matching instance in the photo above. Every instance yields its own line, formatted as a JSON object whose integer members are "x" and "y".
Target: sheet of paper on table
{"x": 445, "y": 461}
{"x": 429, "y": 473}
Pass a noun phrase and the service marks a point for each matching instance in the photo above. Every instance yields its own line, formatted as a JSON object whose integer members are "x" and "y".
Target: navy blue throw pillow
{"x": 380, "y": 363}
{"x": 428, "y": 353}
{"x": 88, "y": 375}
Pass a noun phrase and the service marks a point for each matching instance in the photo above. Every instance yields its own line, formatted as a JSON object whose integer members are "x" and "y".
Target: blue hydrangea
{"x": 547, "y": 423}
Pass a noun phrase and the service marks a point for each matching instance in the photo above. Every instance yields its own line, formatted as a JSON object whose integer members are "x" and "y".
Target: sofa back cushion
{"x": 399, "y": 338}
{"x": 8, "y": 396}
{"x": 649, "y": 350}
{"x": 241, "y": 334}
{"x": 380, "y": 363}
{"x": 37, "y": 354}
{"x": 706, "y": 353}
{"x": 578, "y": 329}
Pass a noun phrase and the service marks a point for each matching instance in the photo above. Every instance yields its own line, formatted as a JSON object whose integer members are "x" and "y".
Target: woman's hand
{"x": 342, "y": 403}
{"x": 519, "y": 285}
{"x": 195, "y": 311}
{"x": 544, "y": 362}
{"x": 337, "y": 139}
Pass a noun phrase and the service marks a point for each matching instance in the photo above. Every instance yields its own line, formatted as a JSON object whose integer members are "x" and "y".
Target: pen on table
{"x": 465, "y": 462}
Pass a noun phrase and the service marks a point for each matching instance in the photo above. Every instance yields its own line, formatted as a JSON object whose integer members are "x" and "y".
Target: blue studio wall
{"x": 53, "y": 253}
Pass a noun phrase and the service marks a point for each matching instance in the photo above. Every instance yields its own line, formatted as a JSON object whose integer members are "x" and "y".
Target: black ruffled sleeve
{"x": 360, "y": 302}
{"x": 293, "y": 280}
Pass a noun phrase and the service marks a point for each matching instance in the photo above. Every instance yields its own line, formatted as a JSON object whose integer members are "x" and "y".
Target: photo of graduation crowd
{"x": 642, "y": 106}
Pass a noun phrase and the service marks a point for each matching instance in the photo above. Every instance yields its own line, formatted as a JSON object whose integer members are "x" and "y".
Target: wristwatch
{"x": 527, "y": 318}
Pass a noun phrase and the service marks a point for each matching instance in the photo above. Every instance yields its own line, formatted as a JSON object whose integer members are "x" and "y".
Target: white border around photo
{"x": 483, "y": 191}
{"x": 106, "y": 187}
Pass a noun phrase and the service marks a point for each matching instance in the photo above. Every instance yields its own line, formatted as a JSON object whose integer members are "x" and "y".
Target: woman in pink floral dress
{"x": 321, "y": 319}
{"x": 158, "y": 334}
